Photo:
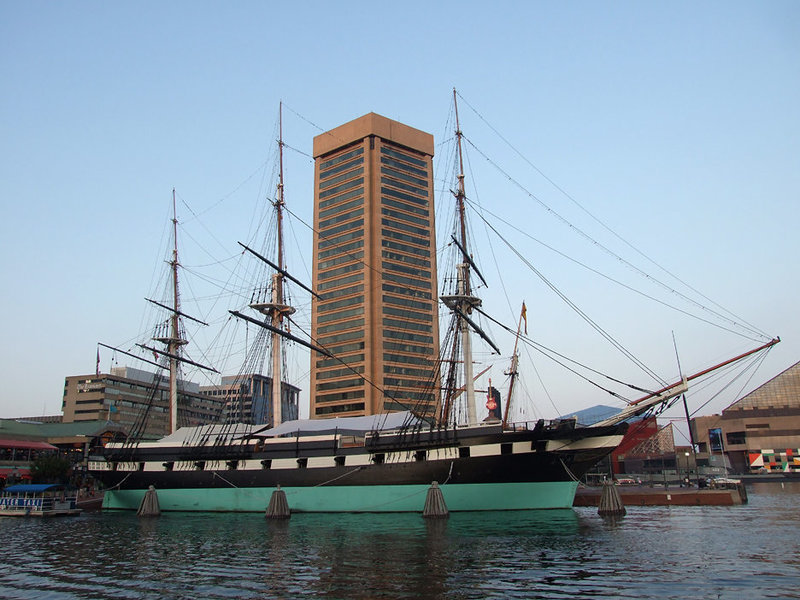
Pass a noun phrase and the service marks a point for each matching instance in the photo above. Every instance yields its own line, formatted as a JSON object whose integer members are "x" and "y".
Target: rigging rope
{"x": 755, "y": 364}
{"x": 741, "y": 322}
{"x": 544, "y": 351}
{"x": 575, "y": 308}
{"x": 611, "y": 253}
{"x": 481, "y": 210}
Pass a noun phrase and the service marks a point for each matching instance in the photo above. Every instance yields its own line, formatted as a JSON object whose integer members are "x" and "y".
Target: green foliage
{"x": 50, "y": 468}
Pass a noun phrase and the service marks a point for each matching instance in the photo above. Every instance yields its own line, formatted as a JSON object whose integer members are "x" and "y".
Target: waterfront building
{"x": 374, "y": 268}
{"x": 650, "y": 450}
{"x": 59, "y": 418}
{"x": 248, "y": 399}
{"x": 16, "y": 457}
{"x": 626, "y": 458}
{"x": 23, "y": 440}
{"x": 645, "y": 449}
{"x": 126, "y": 394}
{"x": 758, "y": 433}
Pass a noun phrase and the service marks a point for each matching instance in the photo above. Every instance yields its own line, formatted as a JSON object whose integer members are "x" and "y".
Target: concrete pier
{"x": 677, "y": 496}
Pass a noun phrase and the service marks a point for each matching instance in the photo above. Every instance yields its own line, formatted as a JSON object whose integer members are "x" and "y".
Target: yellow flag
{"x": 525, "y": 317}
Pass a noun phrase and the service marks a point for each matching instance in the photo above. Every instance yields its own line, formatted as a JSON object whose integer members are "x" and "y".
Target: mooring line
{"x": 412, "y": 494}
{"x": 450, "y": 474}
{"x": 121, "y": 482}
{"x": 225, "y": 480}
{"x": 570, "y": 473}
{"x": 340, "y": 476}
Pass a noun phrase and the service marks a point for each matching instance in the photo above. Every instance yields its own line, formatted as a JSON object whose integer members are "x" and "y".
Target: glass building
{"x": 374, "y": 267}
{"x": 248, "y": 398}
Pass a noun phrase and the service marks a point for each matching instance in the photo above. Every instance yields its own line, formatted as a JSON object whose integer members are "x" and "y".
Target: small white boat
{"x": 724, "y": 483}
{"x": 38, "y": 500}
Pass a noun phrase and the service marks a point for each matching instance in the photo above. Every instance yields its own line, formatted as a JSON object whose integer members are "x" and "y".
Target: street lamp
{"x": 688, "y": 470}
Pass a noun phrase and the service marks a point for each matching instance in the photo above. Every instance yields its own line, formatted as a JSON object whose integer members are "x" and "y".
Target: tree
{"x": 50, "y": 468}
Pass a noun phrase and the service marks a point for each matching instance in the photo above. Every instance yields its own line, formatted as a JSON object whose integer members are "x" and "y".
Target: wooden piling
{"x": 278, "y": 507}
{"x": 435, "y": 506}
{"x": 610, "y": 501}
{"x": 149, "y": 506}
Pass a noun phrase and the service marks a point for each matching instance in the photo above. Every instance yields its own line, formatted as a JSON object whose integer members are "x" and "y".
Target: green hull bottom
{"x": 374, "y": 498}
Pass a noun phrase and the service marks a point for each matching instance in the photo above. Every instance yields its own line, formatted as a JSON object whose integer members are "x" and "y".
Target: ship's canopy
{"x": 209, "y": 434}
{"x": 342, "y": 425}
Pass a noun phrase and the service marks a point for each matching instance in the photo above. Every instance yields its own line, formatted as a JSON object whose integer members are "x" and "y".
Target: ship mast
{"x": 463, "y": 301}
{"x": 276, "y": 309}
{"x": 173, "y": 340}
{"x": 512, "y": 371}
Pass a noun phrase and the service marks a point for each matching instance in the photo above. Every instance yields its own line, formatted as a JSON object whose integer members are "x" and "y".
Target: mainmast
{"x": 173, "y": 340}
{"x": 463, "y": 301}
{"x": 276, "y": 309}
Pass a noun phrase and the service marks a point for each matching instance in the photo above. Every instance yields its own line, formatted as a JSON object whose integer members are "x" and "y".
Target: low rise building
{"x": 136, "y": 400}
{"x": 22, "y": 441}
{"x": 758, "y": 433}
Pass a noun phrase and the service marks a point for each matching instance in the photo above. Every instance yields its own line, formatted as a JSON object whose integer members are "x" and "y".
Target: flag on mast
{"x": 525, "y": 316}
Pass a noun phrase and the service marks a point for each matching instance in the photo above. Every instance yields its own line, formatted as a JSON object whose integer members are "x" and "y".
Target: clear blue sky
{"x": 676, "y": 124}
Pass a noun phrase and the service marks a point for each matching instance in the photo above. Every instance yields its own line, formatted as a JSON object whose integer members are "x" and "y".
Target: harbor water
{"x": 749, "y": 551}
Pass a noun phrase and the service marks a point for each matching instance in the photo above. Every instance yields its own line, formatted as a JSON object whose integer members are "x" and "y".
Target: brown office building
{"x": 375, "y": 270}
{"x": 126, "y": 395}
{"x": 758, "y": 433}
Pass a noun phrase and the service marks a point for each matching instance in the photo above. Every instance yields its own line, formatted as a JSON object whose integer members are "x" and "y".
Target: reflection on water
{"x": 653, "y": 552}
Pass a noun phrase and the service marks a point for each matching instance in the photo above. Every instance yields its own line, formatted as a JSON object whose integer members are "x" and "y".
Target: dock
{"x": 659, "y": 496}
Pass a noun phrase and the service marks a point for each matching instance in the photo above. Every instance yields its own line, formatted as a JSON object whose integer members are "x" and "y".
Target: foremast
{"x": 277, "y": 309}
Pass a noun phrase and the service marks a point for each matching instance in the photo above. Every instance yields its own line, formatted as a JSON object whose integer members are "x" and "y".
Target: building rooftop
{"x": 782, "y": 391}
{"x": 373, "y": 124}
{"x": 31, "y": 430}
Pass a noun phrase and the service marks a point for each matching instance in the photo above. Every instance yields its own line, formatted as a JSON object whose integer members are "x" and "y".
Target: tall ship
{"x": 383, "y": 462}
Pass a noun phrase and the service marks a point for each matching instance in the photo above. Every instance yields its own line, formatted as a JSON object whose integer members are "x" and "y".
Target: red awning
{"x": 22, "y": 473}
{"x": 26, "y": 444}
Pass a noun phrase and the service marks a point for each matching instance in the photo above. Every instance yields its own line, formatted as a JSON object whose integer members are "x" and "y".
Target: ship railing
{"x": 480, "y": 424}
{"x": 542, "y": 424}
{"x": 350, "y": 441}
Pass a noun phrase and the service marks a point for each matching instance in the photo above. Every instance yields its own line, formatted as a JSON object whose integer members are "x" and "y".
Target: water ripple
{"x": 654, "y": 552}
